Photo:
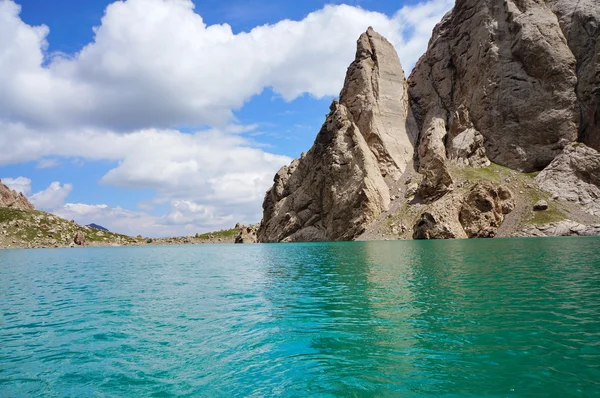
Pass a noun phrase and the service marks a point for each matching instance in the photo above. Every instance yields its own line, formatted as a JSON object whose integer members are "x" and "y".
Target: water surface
{"x": 502, "y": 317}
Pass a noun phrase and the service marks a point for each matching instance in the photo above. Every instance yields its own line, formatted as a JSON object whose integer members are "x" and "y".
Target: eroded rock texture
{"x": 507, "y": 65}
{"x": 484, "y": 208}
{"x": 574, "y": 176}
{"x": 13, "y": 199}
{"x": 580, "y": 22}
{"x": 339, "y": 186}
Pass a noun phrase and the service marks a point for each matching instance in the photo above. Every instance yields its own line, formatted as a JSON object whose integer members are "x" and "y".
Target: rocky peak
{"x": 375, "y": 93}
{"x": 366, "y": 142}
{"x": 13, "y": 199}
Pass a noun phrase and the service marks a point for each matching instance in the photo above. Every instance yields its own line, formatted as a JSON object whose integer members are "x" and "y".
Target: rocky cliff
{"x": 366, "y": 143}
{"x": 505, "y": 90}
{"x": 13, "y": 199}
{"x": 580, "y": 23}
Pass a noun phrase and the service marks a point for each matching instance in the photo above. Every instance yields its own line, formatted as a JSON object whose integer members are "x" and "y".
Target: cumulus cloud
{"x": 51, "y": 198}
{"x": 155, "y": 63}
{"x": 155, "y": 66}
{"x": 19, "y": 184}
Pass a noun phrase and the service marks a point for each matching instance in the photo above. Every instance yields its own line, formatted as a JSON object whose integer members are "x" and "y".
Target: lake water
{"x": 502, "y": 317}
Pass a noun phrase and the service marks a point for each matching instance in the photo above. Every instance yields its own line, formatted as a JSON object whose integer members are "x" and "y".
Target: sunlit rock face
{"x": 366, "y": 143}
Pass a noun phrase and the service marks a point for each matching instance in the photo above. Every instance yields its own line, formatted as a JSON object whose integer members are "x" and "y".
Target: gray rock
{"x": 560, "y": 228}
{"x": 376, "y": 95}
{"x": 540, "y": 205}
{"x": 411, "y": 190}
{"x": 484, "y": 208}
{"x": 508, "y": 65}
{"x": 574, "y": 176}
{"x": 247, "y": 234}
{"x": 580, "y": 22}
{"x": 339, "y": 186}
{"x": 432, "y": 226}
{"x": 465, "y": 146}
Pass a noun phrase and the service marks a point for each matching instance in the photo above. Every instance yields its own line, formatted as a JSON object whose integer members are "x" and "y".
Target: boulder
{"x": 574, "y": 176}
{"x": 247, "y": 234}
{"x": 432, "y": 226}
{"x": 507, "y": 65}
{"x": 484, "y": 208}
{"x": 540, "y": 205}
{"x": 79, "y": 239}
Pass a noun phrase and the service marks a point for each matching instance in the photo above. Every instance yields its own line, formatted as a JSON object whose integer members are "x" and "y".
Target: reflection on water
{"x": 452, "y": 318}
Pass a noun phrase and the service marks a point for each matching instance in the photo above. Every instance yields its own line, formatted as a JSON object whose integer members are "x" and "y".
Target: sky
{"x": 171, "y": 117}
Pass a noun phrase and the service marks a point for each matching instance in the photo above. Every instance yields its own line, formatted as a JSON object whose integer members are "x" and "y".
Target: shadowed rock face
{"x": 508, "y": 65}
{"x": 13, "y": 199}
{"x": 339, "y": 186}
{"x": 580, "y": 23}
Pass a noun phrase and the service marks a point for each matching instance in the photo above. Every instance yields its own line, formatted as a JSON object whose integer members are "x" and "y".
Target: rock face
{"x": 560, "y": 228}
{"x": 580, "y": 23}
{"x": 506, "y": 65}
{"x": 484, "y": 208}
{"x": 432, "y": 226}
{"x": 13, "y": 199}
{"x": 247, "y": 234}
{"x": 514, "y": 82}
{"x": 574, "y": 176}
{"x": 367, "y": 141}
{"x": 376, "y": 96}
{"x": 79, "y": 239}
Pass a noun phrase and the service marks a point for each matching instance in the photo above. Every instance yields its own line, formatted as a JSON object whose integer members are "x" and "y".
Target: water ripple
{"x": 459, "y": 318}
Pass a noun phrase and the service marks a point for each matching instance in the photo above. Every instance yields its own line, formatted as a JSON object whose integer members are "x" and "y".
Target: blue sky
{"x": 167, "y": 117}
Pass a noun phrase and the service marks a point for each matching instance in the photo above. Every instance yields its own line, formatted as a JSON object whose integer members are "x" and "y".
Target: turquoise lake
{"x": 465, "y": 318}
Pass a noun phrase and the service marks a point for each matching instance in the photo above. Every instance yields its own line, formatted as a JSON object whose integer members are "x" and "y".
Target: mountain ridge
{"x": 500, "y": 90}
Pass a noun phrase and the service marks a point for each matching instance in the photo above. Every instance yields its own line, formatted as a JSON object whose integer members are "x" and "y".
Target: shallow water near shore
{"x": 502, "y": 317}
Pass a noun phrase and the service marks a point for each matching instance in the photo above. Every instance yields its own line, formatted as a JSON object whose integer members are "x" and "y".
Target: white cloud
{"x": 19, "y": 184}
{"x": 153, "y": 66}
{"x": 51, "y": 198}
{"x": 155, "y": 63}
{"x": 47, "y": 163}
{"x": 183, "y": 218}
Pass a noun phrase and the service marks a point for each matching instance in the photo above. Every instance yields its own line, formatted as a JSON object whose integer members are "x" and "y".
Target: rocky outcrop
{"x": 465, "y": 143}
{"x": 331, "y": 193}
{"x": 432, "y": 226}
{"x": 484, "y": 208}
{"x": 507, "y": 65}
{"x": 79, "y": 238}
{"x": 560, "y": 228}
{"x": 367, "y": 141}
{"x": 376, "y": 95}
{"x": 580, "y": 23}
{"x": 574, "y": 176}
{"x": 247, "y": 234}
{"x": 13, "y": 199}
